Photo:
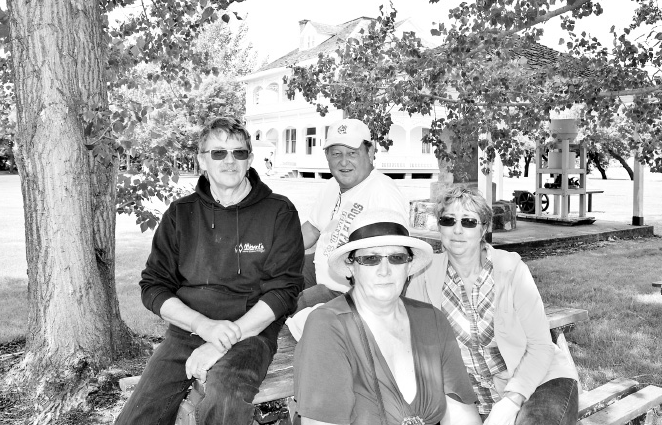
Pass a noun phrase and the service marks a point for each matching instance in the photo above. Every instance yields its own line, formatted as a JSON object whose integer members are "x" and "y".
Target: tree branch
{"x": 447, "y": 100}
{"x": 538, "y": 20}
{"x": 633, "y": 92}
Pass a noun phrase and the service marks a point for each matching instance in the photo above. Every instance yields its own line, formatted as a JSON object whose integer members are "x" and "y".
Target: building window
{"x": 271, "y": 94}
{"x": 311, "y": 139}
{"x": 256, "y": 95}
{"x": 285, "y": 93}
{"x": 291, "y": 140}
{"x": 426, "y": 147}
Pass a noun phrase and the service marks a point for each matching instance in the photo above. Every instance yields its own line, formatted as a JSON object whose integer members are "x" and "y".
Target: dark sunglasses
{"x": 374, "y": 260}
{"x": 467, "y": 223}
{"x": 220, "y": 154}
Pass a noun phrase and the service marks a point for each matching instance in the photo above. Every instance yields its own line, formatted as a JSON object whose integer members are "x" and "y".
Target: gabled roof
{"x": 339, "y": 34}
{"x": 326, "y": 28}
{"x": 542, "y": 58}
{"x": 339, "y": 38}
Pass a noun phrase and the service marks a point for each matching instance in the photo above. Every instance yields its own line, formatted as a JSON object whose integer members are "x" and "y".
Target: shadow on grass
{"x": 621, "y": 338}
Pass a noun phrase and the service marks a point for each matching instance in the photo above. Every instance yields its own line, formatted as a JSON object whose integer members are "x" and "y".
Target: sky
{"x": 273, "y": 27}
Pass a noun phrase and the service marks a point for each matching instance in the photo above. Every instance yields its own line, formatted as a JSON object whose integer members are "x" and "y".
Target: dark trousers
{"x": 313, "y": 293}
{"x": 308, "y": 271}
{"x": 230, "y": 388}
{"x": 556, "y": 402}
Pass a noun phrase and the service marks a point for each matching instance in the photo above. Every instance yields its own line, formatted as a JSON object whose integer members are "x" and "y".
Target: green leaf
{"x": 118, "y": 126}
{"x": 206, "y": 14}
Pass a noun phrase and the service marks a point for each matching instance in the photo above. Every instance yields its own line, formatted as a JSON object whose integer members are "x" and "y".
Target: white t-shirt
{"x": 333, "y": 213}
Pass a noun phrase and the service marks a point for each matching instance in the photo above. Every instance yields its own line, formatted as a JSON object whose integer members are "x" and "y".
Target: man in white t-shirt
{"x": 355, "y": 188}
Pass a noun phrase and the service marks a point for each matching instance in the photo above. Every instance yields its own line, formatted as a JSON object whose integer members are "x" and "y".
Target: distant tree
{"x": 615, "y": 141}
{"x": 176, "y": 112}
{"x": 63, "y": 60}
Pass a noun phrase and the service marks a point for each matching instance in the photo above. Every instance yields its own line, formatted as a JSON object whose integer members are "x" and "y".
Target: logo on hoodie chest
{"x": 248, "y": 247}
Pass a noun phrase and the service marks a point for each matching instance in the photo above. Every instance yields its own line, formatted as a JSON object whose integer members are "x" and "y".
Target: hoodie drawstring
{"x": 238, "y": 259}
{"x": 213, "y": 217}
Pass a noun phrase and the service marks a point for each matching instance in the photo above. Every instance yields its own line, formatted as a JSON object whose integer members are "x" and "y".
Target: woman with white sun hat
{"x": 372, "y": 356}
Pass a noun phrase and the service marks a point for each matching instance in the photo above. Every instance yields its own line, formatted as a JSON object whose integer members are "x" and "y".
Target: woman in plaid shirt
{"x": 488, "y": 295}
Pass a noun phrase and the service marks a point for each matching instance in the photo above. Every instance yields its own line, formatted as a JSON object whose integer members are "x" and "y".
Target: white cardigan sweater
{"x": 520, "y": 325}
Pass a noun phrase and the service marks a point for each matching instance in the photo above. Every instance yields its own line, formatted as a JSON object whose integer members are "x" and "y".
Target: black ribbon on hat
{"x": 378, "y": 229}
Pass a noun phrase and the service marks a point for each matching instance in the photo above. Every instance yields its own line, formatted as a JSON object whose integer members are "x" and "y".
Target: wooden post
{"x": 638, "y": 188}
{"x": 499, "y": 171}
{"x": 565, "y": 198}
{"x": 539, "y": 179}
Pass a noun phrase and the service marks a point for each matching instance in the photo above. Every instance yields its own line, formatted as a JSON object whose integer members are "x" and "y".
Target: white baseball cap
{"x": 349, "y": 132}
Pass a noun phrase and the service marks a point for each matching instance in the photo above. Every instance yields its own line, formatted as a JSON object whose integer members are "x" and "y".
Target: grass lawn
{"x": 613, "y": 282}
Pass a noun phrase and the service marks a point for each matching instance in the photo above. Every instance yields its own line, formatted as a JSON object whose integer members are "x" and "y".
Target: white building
{"x": 297, "y": 132}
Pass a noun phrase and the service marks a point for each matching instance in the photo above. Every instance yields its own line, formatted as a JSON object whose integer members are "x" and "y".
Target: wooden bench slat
{"x": 561, "y": 316}
{"x": 278, "y": 387}
{"x": 598, "y": 398}
{"x": 627, "y": 408}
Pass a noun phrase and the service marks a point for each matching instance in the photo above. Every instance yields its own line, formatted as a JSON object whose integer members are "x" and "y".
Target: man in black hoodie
{"x": 224, "y": 271}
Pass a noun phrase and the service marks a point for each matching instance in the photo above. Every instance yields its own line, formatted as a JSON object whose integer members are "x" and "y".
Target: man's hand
{"x": 504, "y": 412}
{"x": 201, "y": 360}
{"x": 223, "y": 334}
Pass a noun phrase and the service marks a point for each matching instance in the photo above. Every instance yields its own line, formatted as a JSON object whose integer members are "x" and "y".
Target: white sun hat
{"x": 380, "y": 227}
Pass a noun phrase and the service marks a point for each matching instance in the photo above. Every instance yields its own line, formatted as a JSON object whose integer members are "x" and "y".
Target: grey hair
{"x": 229, "y": 126}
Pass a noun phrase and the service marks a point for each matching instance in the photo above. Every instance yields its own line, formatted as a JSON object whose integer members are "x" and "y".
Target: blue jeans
{"x": 556, "y": 402}
{"x": 231, "y": 383}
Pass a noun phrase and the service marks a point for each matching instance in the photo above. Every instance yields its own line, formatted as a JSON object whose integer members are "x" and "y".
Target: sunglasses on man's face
{"x": 374, "y": 260}
{"x": 467, "y": 223}
{"x": 220, "y": 154}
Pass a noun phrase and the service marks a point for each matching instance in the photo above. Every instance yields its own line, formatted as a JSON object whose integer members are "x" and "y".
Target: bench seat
{"x": 617, "y": 402}
{"x": 658, "y": 285}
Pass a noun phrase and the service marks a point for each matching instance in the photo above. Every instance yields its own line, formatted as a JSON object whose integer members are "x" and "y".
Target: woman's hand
{"x": 201, "y": 360}
{"x": 504, "y": 412}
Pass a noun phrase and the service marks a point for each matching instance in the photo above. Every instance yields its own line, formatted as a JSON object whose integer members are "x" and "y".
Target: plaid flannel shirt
{"x": 472, "y": 320}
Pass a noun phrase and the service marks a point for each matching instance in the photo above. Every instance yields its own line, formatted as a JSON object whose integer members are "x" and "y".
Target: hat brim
{"x": 421, "y": 249}
{"x": 343, "y": 142}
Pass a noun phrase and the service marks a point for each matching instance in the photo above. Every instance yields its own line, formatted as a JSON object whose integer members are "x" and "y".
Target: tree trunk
{"x": 527, "y": 161}
{"x": 74, "y": 326}
{"x": 595, "y": 157}
{"x": 623, "y": 163}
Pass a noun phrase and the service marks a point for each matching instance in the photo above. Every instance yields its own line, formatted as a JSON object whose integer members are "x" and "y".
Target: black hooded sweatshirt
{"x": 221, "y": 261}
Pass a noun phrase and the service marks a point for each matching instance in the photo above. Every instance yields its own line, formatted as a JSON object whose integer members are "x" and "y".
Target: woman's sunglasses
{"x": 467, "y": 223}
{"x": 220, "y": 154}
{"x": 374, "y": 260}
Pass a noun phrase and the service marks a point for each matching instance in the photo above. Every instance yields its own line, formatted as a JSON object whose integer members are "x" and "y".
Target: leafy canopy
{"x": 490, "y": 76}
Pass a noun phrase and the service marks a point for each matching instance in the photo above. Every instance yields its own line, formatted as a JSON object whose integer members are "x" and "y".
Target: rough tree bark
{"x": 74, "y": 325}
{"x": 623, "y": 163}
{"x": 528, "y": 157}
